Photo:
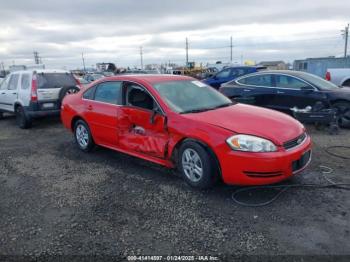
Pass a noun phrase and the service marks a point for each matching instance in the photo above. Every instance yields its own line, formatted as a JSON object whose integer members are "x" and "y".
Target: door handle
{"x": 14, "y": 93}
{"x": 280, "y": 92}
{"x": 3, "y": 93}
{"x": 90, "y": 107}
{"x": 247, "y": 90}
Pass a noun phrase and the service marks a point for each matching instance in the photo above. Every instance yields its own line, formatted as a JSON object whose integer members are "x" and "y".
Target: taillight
{"x": 328, "y": 76}
{"x": 34, "y": 90}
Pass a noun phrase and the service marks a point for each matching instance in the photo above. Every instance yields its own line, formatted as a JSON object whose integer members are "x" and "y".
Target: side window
{"x": 257, "y": 80}
{"x": 25, "y": 81}
{"x": 13, "y": 82}
{"x": 109, "y": 92}
{"x": 4, "y": 83}
{"x": 137, "y": 96}
{"x": 224, "y": 73}
{"x": 284, "y": 81}
{"x": 238, "y": 72}
{"x": 89, "y": 94}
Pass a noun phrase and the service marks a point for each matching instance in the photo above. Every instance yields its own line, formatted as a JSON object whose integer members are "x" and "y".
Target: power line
{"x": 82, "y": 57}
{"x": 231, "y": 46}
{"x": 186, "y": 51}
{"x": 346, "y": 36}
{"x": 141, "y": 56}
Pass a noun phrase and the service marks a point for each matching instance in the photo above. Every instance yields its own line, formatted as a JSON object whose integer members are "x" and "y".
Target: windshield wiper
{"x": 206, "y": 109}
{"x": 223, "y": 105}
{"x": 195, "y": 110}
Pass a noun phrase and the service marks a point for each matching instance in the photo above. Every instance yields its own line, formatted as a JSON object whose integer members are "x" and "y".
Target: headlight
{"x": 249, "y": 143}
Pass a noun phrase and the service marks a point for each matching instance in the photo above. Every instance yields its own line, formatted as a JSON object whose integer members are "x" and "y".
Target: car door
{"x": 142, "y": 123}
{"x": 294, "y": 92}
{"x": 101, "y": 105}
{"x": 3, "y": 94}
{"x": 257, "y": 89}
{"x": 11, "y": 92}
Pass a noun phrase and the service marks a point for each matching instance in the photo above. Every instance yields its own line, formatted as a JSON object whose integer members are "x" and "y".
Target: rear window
{"x": 55, "y": 80}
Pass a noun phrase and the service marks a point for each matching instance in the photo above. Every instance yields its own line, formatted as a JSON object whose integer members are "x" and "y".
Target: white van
{"x": 35, "y": 93}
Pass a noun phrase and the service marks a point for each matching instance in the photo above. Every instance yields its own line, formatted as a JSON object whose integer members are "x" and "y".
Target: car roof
{"x": 150, "y": 78}
{"x": 286, "y": 72}
{"x": 41, "y": 71}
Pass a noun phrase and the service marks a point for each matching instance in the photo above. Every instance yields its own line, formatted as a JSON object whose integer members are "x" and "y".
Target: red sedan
{"x": 177, "y": 121}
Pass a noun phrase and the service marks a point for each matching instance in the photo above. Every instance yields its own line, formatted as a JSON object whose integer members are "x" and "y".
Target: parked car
{"x": 177, "y": 121}
{"x": 283, "y": 90}
{"x": 339, "y": 76}
{"x": 230, "y": 73}
{"x": 37, "y": 93}
{"x": 93, "y": 77}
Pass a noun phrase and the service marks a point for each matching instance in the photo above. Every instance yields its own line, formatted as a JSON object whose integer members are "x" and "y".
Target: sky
{"x": 114, "y": 31}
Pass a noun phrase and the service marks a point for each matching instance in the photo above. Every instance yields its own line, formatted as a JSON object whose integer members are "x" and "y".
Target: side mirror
{"x": 155, "y": 112}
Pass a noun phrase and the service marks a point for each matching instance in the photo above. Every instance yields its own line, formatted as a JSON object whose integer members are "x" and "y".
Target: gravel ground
{"x": 57, "y": 200}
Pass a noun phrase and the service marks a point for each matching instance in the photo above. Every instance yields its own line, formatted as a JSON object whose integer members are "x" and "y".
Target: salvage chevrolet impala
{"x": 179, "y": 122}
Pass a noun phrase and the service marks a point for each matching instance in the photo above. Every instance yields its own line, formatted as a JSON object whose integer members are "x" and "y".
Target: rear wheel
{"x": 343, "y": 113}
{"x": 83, "y": 136}
{"x": 197, "y": 166}
{"x": 22, "y": 120}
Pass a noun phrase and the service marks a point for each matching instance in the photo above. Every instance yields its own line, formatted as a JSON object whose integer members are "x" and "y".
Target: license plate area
{"x": 301, "y": 162}
{"x": 48, "y": 105}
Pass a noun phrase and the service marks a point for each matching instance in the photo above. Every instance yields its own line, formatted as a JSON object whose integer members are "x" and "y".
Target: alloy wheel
{"x": 192, "y": 165}
{"x": 82, "y": 136}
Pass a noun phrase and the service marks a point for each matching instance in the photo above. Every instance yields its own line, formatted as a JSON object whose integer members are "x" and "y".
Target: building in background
{"x": 274, "y": 65}
{"x": 319, "y": 66}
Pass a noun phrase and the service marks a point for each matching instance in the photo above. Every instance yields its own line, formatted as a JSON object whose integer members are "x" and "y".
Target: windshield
{"x": 191, "y": 96}
{"x": 319, "y": 82}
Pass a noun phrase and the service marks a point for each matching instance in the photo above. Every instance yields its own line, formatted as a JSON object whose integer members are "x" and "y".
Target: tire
{"x": 83, "y": 136}
{"x": 343, "y": 113}
{"x": 197, "y": 166}
{"x": 67, "y": 91}
{"x": 22, "y": 120}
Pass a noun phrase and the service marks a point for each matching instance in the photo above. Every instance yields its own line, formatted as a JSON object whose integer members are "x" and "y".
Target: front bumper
{"x": 244, "y": 168}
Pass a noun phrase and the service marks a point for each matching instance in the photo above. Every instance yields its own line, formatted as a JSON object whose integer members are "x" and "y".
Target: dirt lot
{"x": 57, "y": 200}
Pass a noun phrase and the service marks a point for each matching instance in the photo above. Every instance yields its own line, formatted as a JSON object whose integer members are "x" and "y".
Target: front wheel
{"x": 83, "y": 136}
{"x": 343, "y": 113}
{"x": 197, "y": 166}
{"x": 22, "y": 120}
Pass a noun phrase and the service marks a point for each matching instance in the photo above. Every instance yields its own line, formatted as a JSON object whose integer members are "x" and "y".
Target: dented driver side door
{"x": 140, "y": 129}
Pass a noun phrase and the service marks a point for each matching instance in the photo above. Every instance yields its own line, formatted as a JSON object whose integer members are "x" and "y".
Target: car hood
{"x": 252, "y": 120}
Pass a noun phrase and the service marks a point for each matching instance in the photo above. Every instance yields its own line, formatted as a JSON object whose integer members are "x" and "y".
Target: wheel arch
{"x": 175, "y": 152}
{"x": 76, "y": 119}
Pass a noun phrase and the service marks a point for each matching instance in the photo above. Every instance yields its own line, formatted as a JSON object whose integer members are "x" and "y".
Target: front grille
{"x": 302, "y": 162}
{"x": 263, "y": 174}
{"x": 294, "y": 142}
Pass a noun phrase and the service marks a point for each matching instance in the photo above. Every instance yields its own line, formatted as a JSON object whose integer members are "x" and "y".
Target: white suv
{"x": 36, "y": 93}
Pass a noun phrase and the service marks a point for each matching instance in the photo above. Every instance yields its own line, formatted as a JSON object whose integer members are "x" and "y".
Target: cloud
{"x": 114, "y": 30}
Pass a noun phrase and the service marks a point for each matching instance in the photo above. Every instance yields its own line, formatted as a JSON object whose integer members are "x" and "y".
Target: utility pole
{"x": 346, "y": 36}
{"x": 36, "y": 57}
{"x": 82, "y": 57}
{"x": 141, "y": 56}
{"x": 186, "y": 52}
{"x": 231, "y": 46}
